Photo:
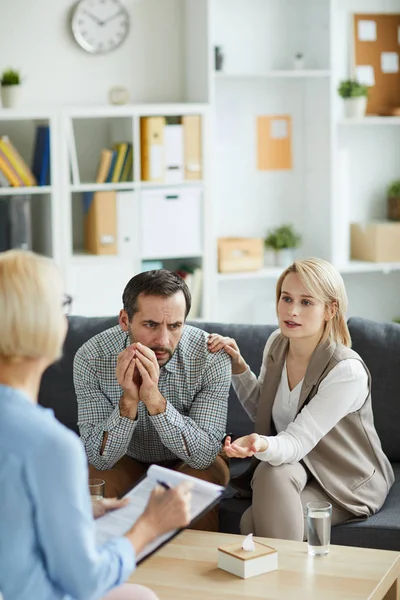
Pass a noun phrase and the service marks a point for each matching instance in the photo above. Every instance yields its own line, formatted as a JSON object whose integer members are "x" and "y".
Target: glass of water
{"x": 96, "y": 488}
{"x": 319, "y": 517}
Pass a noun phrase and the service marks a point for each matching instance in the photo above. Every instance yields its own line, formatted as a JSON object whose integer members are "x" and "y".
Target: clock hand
{"x": 96, "y": 19}
{"x": 112, "y": 17}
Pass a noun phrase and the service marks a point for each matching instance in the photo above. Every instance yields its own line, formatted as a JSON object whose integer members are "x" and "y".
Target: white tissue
{"x": 248, "y": 543}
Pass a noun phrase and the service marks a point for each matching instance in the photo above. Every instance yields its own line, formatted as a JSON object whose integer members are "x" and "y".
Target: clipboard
{"x": 205, "y": 496}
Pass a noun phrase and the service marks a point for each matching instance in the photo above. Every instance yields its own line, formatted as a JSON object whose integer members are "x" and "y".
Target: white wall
{"x": 35, "y": 38}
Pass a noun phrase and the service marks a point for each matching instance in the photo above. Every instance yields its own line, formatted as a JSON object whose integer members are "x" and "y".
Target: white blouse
{"x": 343, "y": 391}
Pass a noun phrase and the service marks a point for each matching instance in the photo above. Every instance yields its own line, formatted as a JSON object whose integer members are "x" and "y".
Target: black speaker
{"x": 15, "y": 222}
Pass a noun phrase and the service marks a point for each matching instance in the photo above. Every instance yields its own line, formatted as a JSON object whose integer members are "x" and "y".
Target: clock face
{"x": 100, "y": 26}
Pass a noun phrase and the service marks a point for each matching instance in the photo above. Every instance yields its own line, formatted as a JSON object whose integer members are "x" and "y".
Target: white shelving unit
{"x": 329, "y": 186}
{"x": 341, "y": 167}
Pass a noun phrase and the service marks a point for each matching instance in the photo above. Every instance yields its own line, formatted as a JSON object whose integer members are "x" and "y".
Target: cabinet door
{"x": 171, "y": 223}
{"x": 97, "y": 289}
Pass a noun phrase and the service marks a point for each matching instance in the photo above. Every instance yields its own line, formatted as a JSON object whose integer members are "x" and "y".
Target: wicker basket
{"x": 394, "y": 208}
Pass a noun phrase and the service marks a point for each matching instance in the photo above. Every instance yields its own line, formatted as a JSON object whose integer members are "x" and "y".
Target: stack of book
{"x": 115, "y": 165}
{"x": 14, "y": 172}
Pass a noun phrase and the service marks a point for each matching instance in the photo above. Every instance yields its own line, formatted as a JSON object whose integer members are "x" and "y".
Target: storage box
{"x": 240, "y": 254}
{"x": 171, "y": 223}
{"x": 246, "y": 564}
{"x": 101, "y": 223}
{"x": 377, "y": 241}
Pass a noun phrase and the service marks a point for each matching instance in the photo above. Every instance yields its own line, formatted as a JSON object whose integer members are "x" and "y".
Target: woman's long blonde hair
{"x": 325, "y": 283}
{"x": 32, "y": 323}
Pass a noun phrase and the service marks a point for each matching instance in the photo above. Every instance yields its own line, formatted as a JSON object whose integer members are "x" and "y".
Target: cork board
{"x": 376, "y": 60}
{"x": 274, "y": 142}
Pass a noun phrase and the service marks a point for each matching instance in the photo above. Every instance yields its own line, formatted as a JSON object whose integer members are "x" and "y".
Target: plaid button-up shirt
{"x": 195, "y": 384}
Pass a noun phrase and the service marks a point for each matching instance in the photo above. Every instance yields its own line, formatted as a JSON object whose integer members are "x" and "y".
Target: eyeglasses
{"x": 67, "y": 303}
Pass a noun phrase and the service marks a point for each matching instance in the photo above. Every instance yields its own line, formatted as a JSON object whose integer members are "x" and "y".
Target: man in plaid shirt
{"x": 149, "y": 391}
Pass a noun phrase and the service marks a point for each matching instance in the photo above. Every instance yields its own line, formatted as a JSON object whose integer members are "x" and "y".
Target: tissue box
{"x": 246, "y": 564}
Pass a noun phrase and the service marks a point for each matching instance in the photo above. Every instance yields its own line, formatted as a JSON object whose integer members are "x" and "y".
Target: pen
{"x": 164, "y": 485}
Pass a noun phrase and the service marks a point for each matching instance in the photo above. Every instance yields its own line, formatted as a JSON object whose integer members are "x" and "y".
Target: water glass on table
{"x": 96, "y": 488}
{"x": 319, "y": 517}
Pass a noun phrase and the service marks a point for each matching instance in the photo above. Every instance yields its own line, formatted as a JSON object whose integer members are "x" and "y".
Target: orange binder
{"x": 274, "y": 143}
{"x": 192, "y": 146}
{"x": 152, "y": 148}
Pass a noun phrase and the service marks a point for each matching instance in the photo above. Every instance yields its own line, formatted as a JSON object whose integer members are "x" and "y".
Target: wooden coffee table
{"x": 186, "y": 569}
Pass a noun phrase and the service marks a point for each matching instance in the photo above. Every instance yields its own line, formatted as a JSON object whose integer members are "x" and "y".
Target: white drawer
{"x": 171, "y": 223}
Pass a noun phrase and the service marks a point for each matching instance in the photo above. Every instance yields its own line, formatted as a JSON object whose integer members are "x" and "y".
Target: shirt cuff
{"x": 126, "y": 552}
{"x": 170, "y": 416}
{"x": 271, "y": 451}
{"x": 120, "y": 426}
{"x": 242, "y": 377}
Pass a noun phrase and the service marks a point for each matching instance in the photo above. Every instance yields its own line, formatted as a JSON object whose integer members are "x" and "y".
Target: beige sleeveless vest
{"x": 348, "y": 462}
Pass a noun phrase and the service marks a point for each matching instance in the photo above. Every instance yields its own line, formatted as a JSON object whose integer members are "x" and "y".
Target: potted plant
{"x": 10, "y": 88}
{"x": 298, "y": 61}
{"x": 283, "y": 241}
{"x": 355, "y": 97}
{"x": 393, "y": 200}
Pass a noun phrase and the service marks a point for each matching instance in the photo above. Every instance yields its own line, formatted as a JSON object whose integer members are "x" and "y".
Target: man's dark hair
{"x": 154, "y": 283}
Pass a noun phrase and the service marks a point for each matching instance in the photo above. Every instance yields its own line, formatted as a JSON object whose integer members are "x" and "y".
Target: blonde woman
{"x": 47, "y": 538}
{"x": 315, "y": 437}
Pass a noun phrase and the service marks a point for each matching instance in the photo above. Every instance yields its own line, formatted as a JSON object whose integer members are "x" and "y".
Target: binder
{"x": 15, "y": 222}
{"x": 101, "y": 223}
{"x": 152, "y": 148}
{"x": 192, "y": 146}
{"x": 121, "y": 150}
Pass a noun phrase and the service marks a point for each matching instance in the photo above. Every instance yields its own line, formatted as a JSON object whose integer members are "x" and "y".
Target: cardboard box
{"x": 377, "y": 241}
{"x": 240, "y": 254}
{"x": 246, "y": 564}
{"x": 101, "y": 224}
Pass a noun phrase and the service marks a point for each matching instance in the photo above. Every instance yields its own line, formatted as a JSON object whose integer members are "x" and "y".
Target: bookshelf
{"x": 327, "y": 188}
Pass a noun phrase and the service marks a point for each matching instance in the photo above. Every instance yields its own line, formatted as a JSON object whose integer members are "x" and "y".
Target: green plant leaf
{"x": 350, "y": 88}
{"x": 10, "y": 77}
{"x": 282, "y": 237}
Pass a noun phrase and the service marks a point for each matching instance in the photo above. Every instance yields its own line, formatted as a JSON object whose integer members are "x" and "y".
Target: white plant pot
{"x": 298, "y": 63}
{"x": 10, "y": 95}
{"x": 355, "y": 108}
{"x": 284, "y": 258}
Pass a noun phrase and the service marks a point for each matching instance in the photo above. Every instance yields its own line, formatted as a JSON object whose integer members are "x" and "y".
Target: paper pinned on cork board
{"x": 365, "y": 75}
{"x": 367, "y": 30}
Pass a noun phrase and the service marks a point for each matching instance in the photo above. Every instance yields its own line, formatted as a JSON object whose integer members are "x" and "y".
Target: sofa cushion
{"x": 57, "y": 388}
{"x": 379, "y": 346}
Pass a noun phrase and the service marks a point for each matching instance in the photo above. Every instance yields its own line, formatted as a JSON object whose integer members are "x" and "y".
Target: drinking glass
{"x": 319, "y": 517}
{"x": 96, "y": 488}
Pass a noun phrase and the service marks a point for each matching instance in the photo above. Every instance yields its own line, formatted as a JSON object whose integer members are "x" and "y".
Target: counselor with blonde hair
{"x": 315, "y": 438}
{"x": 47, "y": 535}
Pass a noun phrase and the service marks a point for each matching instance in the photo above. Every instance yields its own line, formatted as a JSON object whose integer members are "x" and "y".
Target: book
{"x": 122, "y": 151}
{"x": 9, "y": 172}
{"x": 104, "y": 165}
{"x": 41, "y": 155}
{"x": 16, "y": 160}
{"x": 205, "y": 496}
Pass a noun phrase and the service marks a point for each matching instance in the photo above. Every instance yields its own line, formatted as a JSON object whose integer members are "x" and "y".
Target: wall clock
{"x": 100, "y": 26}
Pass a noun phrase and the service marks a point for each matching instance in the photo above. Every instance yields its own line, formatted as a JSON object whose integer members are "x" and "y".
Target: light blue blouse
{"x": 47, "y": 535}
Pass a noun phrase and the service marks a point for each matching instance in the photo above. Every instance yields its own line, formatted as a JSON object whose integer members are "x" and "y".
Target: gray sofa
{"x": 379, "y": 346}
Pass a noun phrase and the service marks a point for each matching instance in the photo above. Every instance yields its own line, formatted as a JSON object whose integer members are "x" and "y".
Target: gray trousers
{"x": 280, "y": 495}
